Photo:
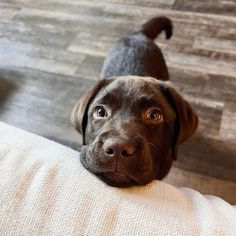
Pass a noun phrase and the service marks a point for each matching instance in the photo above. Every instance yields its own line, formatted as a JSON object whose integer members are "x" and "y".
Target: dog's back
{"x": 137, "y": 54}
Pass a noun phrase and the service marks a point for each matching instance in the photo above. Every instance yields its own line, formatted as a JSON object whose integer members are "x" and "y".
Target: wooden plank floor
{"x": 51, "y": 51}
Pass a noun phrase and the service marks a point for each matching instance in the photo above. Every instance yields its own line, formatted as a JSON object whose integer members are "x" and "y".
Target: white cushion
{"x": 44, "y": 190}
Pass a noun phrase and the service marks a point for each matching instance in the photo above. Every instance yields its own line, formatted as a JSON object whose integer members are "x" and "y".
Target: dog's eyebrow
{"x": 147, "y": 102}
{"x": 107, "y": 98}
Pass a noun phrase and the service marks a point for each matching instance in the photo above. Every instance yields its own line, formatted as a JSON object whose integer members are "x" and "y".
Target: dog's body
{"x": 137, "y": 54}
{"x": 132, "y": 123}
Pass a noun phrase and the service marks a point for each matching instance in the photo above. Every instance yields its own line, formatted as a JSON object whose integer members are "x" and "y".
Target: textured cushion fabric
{"x": 44, "y": 190}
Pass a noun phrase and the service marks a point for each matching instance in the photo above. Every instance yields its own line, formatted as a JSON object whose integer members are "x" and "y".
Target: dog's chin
{"x": 116, "y": 179}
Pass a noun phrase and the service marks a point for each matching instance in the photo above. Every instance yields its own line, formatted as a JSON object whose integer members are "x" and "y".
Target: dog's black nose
{"x": 118, "y": 148}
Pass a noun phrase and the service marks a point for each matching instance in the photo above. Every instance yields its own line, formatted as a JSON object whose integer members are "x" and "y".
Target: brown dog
{"x": 132, "y": 125}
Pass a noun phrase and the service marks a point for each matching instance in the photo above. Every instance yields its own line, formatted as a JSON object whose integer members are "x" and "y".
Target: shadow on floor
{"x": 208, "y": 156}
{"x": 6, "y": 89}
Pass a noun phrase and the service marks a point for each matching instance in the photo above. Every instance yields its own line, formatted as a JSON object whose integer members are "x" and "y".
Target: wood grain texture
{"x": 51, "y": 51}
{"x": 221, "y": 7}
{"x": 203, "y": 183}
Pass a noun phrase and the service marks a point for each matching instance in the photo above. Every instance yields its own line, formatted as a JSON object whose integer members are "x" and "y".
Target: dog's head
{"x": 131, "y": 128}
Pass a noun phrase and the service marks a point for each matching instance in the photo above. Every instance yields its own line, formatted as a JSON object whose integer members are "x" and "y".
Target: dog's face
{"x": 131, "y": 127}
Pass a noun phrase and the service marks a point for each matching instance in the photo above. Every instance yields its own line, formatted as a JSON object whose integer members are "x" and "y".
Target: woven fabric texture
{"x": 44, "y": 190}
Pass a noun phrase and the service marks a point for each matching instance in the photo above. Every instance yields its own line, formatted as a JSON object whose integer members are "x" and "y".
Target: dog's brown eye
{"x": 153, "y": 115}
{"x": 100, "y": 112}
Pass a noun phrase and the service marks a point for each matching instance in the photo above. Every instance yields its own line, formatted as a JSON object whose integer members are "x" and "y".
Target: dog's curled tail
{"x": 156, "y": 25}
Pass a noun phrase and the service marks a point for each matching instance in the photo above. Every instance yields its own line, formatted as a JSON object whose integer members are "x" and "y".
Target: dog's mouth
{"x": 110, "y": 174}
{"x": 113, "y": 178}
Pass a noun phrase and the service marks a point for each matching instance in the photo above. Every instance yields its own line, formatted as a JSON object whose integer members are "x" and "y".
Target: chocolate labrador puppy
{"x": 133, "y": 120}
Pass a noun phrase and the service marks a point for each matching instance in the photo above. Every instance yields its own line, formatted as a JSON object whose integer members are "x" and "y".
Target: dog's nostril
{"x": 126, "y": 153}
{"x": 109, "y": 151}
{"x": 129, "y": 150}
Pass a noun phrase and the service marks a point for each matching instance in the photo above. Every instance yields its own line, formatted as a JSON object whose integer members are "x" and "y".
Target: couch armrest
{"x": 44, "y": 190}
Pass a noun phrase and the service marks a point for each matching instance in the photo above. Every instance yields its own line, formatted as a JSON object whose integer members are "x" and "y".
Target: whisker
{"x": 152, "y": 144}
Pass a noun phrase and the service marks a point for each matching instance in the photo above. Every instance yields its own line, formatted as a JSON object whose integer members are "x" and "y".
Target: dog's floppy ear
{"x": 79, "y": 114}
{"x": 186, "y": 119}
